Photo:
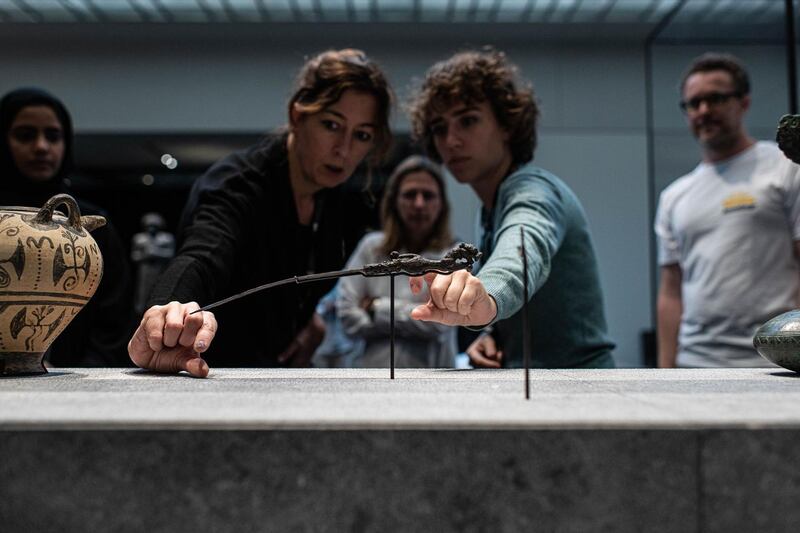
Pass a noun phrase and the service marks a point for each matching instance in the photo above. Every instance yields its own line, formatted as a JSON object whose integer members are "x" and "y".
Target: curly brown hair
{"x": 395, "y": 233}
{"x": 326, "y": 76}
{"x": 472, "y": 77}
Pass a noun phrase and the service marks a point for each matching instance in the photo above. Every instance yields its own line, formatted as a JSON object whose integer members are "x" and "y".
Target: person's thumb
{"x": 192, "y": 363}
{"x": 431, "y": 313}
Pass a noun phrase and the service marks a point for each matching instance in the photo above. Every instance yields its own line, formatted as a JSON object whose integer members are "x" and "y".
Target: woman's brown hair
{"x": 395, "y": 236}
{"x": 325, "y": 77}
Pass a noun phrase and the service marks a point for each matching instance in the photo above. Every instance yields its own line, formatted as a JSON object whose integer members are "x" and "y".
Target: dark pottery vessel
{"x": 778, "y": 340}
{"x": 788, "y": 136}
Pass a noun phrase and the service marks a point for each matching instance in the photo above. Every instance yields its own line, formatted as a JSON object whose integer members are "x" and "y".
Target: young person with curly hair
{"x": 473, "y": 114}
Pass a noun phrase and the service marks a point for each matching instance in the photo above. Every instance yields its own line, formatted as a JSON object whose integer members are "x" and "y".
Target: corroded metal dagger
{"x": 461, "y": 257}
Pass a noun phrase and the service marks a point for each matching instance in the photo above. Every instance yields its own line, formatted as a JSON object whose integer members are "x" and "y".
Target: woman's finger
{"x": 191, "y": 324}
{"x": 173, "y": 323}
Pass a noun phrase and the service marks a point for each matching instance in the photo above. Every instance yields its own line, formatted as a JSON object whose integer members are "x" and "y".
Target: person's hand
{"x": 483, "y": 352}
{"x": 302, "y": 348}
{"x": 170, "y": 339}
{"x": 457, "y": 299}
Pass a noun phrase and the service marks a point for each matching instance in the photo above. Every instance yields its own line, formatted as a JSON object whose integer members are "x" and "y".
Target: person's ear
{"x": 745, "y": 102}
{"x": 295, "y": 115}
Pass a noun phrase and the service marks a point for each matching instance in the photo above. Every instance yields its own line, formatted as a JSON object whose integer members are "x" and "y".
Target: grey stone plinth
{"x": 350, "y": 450}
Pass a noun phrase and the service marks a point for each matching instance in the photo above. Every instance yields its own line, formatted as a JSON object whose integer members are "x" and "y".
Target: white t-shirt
{"x": 730, "y": 226}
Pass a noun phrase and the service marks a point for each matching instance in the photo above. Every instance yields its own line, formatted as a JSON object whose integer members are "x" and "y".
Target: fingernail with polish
{"x": 200, "y": 346}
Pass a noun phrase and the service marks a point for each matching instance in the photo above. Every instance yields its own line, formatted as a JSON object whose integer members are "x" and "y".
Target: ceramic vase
{"x": 778, "y": 340}
{"x": 50, "y": 267}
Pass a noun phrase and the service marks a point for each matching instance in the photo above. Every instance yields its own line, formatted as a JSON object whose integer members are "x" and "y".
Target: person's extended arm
{"x": 169, "y": 338}
{"x": 670, "y": 307}
{"x": 497, "y": 292}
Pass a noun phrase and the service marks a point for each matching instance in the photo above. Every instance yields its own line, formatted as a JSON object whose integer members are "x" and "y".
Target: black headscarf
{"x": 15, "y": 187}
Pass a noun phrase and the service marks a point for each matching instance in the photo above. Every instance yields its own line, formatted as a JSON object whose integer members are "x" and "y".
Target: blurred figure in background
{"x": 151, "y": 251}
{"x": 35, "y": 160}
{"x": 415, "y": 216}
{"x": 728, "y": 232}
{"x": 338, "y": 349}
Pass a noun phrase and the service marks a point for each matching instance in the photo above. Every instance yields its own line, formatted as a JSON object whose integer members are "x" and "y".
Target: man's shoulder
{"x": 768, "y": 148}
{"x": 683, "y": 184}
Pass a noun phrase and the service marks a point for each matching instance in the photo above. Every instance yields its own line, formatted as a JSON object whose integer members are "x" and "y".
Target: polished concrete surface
{"x": 351, "y": 450}
{"x": 415, "y": 399}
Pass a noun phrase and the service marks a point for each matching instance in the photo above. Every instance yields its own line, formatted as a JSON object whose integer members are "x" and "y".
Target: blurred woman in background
{"x": 415, "y": 216}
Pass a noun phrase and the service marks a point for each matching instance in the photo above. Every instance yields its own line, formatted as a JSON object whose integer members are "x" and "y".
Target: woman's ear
{"x": 295, "y": 115}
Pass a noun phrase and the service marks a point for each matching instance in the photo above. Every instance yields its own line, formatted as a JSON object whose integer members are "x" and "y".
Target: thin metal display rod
{"x": 526, "y": 332}
{"x": 391, "y": 326}
{"x": 791, "y": 53}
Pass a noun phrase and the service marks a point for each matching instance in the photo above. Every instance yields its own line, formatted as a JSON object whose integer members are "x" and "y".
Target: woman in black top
{"x": 268, "y": 213}
{"x": 35, "y": 160}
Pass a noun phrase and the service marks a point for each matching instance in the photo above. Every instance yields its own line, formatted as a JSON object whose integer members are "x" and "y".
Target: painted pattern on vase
{"x": 50, "y": 267}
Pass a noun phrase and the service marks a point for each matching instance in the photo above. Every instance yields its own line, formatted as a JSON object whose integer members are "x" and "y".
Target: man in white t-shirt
{"x": 728, "y": 231}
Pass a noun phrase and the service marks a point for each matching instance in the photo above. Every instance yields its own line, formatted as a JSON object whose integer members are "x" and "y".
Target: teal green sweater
{"x": 565, "y": 314}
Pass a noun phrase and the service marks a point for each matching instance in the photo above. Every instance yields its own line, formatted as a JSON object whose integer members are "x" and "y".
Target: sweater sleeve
{"x": 537, "y": 206}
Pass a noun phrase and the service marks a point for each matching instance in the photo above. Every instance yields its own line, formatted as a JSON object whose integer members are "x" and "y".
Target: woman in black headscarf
{"x": 35, "y": 158}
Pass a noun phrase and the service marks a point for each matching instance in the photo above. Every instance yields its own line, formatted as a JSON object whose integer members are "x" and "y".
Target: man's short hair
{"x": 725, "y": 62}
{"x": 473, "y": 77}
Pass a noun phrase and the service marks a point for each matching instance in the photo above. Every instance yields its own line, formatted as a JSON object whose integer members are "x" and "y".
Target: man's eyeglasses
{"x": 711, "y": 99}
{"x": 411, "y": 195}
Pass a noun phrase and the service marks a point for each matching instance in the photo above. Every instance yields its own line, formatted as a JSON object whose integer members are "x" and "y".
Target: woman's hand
{"x": 457, "y": 299}
{"x": 170, "y": 339}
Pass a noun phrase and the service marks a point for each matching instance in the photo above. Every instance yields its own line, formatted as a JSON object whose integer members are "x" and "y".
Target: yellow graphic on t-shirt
{"x": 738, "y": 201}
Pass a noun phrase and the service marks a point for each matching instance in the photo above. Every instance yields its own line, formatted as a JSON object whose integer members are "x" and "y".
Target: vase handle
{"x": 45, "y": 214}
